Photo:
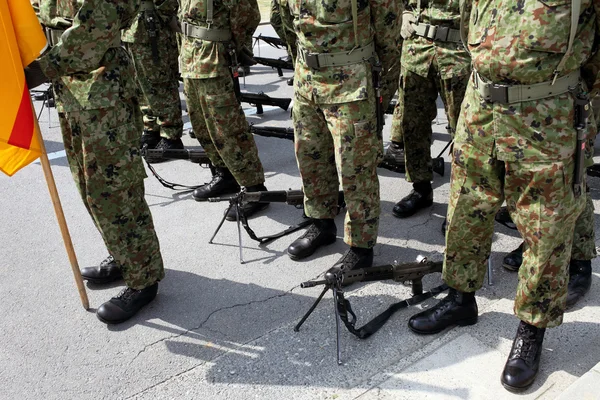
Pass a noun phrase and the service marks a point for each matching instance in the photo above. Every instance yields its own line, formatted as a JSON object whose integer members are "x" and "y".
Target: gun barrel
{"x": 272, "y": 131}
{"x": 309, "y": 284}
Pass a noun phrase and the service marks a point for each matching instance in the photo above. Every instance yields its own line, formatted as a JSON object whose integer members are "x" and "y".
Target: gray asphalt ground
{"x": 223, "y": 330}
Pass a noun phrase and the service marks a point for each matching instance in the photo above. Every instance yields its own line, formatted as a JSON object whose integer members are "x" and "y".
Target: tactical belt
{"x": 508, "y": 94}
{"x": 53, "y": 37}
{"x": 200, "y": 32}
{"x": 437, "y": 33}
{"x": 147, "y": 5}
{"x": 322, "y": 60}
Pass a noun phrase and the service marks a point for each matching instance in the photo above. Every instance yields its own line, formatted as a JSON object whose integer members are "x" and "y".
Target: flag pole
{"x": 60, "y": 216}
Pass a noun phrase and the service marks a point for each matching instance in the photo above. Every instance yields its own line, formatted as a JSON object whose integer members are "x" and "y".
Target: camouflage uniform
{"x": 429, "y": 67}
{"x": 93, "y": 80}
{"x": 277, "y": 24}
{"x": 334, "y": 109}
{"x": 522, "y": 152}
{"x": 217, "y": 118}
{"x": 158, "y": 82}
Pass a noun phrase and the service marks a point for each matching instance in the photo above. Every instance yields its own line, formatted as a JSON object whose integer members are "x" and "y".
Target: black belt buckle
{"x": 312, "y": 60}
{"x": 441, "y": 34}
{"x": 498, "y": 94}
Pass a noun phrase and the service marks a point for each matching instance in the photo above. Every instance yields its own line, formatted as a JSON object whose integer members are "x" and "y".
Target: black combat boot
{"x": 457, "y": 308}
{"x": 394, "y": 154}
{"x": 108, "y": 271}
{"x": 248, "y": 209}
{"x": 513, "y": 260}
{"x": 580, "y": 280}
{"x": 523, "y": 361}
{"x": 222, "y": 183}
{"x": 320, "y": 233}
{"x": 420, "y": 197}
{"x": 353, "y": 258}
{"x": 126, "y": 304}
{"x": 150, "y": 139}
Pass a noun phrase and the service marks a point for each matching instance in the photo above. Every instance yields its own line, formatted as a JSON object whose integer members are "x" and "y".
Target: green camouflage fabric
{"x": 522, "y": 153}
{"x": 280, "y": 28}
{"x": 419, "y": 53}
{"x": 416, "y": 108}
{"x": 158, "y": 82}
{"x": 201, "y": 59}
{"x": 137, "y": 32}
{"x": 101, "y": 136}
{"x": 326, "y": 26}
{"x": 88, "y": 77}
{"x": 334, "y": 109}
{"x": 221, "y": 128}
{"x": 340, "y": 139}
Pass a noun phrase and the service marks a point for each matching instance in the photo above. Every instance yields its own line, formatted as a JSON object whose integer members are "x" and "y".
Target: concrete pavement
{"x": 223, "y": 330}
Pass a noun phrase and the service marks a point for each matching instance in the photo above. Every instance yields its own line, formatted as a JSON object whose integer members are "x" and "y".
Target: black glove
{"x": 174, "y": 25}
{"x": 34, "y": 76}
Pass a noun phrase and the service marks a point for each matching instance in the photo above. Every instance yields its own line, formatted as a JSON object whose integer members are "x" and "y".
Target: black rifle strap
{"x": 167, "y": 184}
{"x": 345, "y": 309}
{"x": 265, "y": 239}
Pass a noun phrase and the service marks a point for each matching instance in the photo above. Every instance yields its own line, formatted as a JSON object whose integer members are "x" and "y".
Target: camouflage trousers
{"x": 277, "y": 24}
{"x": 540, "y": 200}
{"x": 416, "y": 108}
{"x": 102, "y": 149}
{"x": 222, "y": 129}
{"x": 158, "y": 84}
{"x": 332, "y": 139}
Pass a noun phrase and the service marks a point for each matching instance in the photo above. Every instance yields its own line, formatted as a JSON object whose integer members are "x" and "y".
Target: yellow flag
{"x": 21, "y": 41}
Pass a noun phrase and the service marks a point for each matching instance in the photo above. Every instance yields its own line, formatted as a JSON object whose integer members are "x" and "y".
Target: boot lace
{"x": 126, "y": 294}
{"x": 525, "y": 346}
{"x": 311, "y": 232}
{"x": 349, "y": 259}
{"x": 107, "y": 261}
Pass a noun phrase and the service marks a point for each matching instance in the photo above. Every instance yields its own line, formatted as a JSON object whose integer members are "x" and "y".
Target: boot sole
{"x": 462, "y": 322}
{"x": 326, "y": 243}
{"x": 514, "y": 389}
{"x": 406, "y": 215}
{"x": 510, "y": 267}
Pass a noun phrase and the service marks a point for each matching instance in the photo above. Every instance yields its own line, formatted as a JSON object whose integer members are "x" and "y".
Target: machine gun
{"x": 271, "y": 41}
{"x": 291, "y": 197}
{"x": 259, "y": 100}
{"x": 393, "y": 164}
{"x": 278, "y": 63}
{"x": 412, "y": 271}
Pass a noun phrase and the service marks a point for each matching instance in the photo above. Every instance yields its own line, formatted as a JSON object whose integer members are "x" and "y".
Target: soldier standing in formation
{"x": 434, "y": 61}
{"x": 516, "y": 139}
{"x": 214, "y": 34}
{"x": 152, "y": 43}
{"x": 288, "y": 38}
{"x": 342, "y": 50}
{"x": 100, "y": 120}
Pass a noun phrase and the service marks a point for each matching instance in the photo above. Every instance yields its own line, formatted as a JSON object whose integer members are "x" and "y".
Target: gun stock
{"x": 259, "y": 100}
{"x": 278, "y": 64}
{"x": 273, "y": 131}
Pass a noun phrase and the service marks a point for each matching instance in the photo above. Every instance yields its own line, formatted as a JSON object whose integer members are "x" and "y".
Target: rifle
{"x": 412, "y": 271}
{"x": 438, "y": 164}
{"x": 582, "y": 113}
{"x": 273, "y": 131}
{"x": 259, "y": 100}
{"x": 272, "y": 41}
{"x": 291, "y": 197}
{"x": 276, "y": 63}
{"x": 150, "y": 20}
{"x": 197, "y": 156}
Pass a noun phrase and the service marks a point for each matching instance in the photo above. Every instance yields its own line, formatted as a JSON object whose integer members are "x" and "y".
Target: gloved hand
{"x": 175, "y": 25}
{"x": 34, "y": 76}
{"x": 245, "y": 57}
{"x": 407, "y": 29}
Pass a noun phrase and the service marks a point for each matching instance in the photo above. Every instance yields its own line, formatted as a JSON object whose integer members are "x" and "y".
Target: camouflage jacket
{"x": 201, "y": 59}
{"x": 523, "y": 43}
{"x": 87, "y": 71}
{"x": 418, "y": 52}
{"x": 138, "y": 32}
{"x": 327, "y": 26}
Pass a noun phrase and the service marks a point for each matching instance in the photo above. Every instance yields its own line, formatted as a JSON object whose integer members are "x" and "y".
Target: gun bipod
{"x": 343, "y": 310}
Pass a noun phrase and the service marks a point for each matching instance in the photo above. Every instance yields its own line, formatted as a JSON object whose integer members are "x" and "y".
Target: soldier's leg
{"x": 222, "y": 181}
{"x": 158, "y": 81}
{"x": 582, "y": 252}
{"x": 419, "y": 108}
{"x": 358, "y": 149}
{"x": 542, "y": 205}
{"x": 108, "y": 270}
{"x": 313, "y": 145}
